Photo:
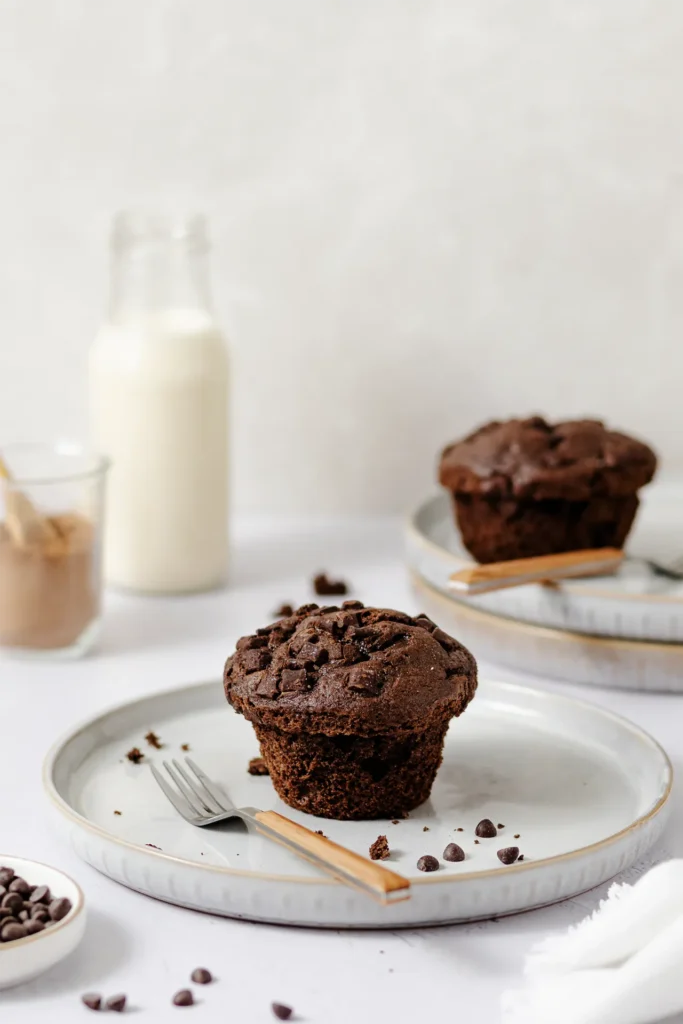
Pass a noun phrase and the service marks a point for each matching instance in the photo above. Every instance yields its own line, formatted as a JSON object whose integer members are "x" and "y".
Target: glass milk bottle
{"x": 159, "y": 410}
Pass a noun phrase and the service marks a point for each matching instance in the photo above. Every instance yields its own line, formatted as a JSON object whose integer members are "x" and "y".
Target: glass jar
{"x": 159, "y": 409}
{"x": 51, "y": 514}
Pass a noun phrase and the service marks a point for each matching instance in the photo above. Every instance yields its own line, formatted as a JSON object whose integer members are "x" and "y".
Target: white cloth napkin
{"x": 622, "y": 965}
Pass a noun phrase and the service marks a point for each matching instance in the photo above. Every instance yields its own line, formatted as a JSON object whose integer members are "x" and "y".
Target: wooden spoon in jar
{"x": 25, "y": 524}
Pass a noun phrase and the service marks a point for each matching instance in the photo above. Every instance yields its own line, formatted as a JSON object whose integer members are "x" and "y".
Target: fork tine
{"x": 213, "y": 791}
{"x": 197, "y": 807}
{"x": 210, "y": 804}
{"x": 180, "y": 804}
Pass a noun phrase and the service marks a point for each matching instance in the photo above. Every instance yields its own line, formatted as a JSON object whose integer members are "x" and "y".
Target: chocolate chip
{"x": 365, "y": 678}
{"x": 257, "y": 766}
{"x": 40, "y": 913}
{"x": 41, "y": 894}
{"x": 13, "y": 901}
{"x": 183, "y": 998}
{"x": 285, "y": 611}
{"x": 425, "y": 828}
{"x": 118, "y": 813}
{"x": 201, "y": 976}
{"x": 500, "y": 826}
{"x": 328, "y": 608}
{"x": 251, "y": 643}
{"x": 34, "y": 926}
{"x": 307, "y": 609}
{"x": 23, "y": 916}
{"x": 6, "y": 912}
{"x": 11, "y": 931}
{"x": 92, "y": 1000}
{"x": 319, "y": 832}
{"x": 6, "y": 876}
{"x": 255, "y": 660}
{"x": 266, "y": 687}
{"x": 516, "y": 835}
{"x": 453, "y": 853}
{"x": 508, "y": 855}
{"x": 335, "y": 652}
{"x": 379, "y": 849}
{"x": 425, "y": 622}
{"x": 21, "y": 886}
{"x": 521, "y": 857}
{"x": 352, "y": 604}
{"x": 293, "y": 680}
{"x": 325, "y": 587}
{"x": 281, "y": 1011}
{"x": 313, "y": 653}
{"x": 477, "y": 842}
{"x": 135, "y": 755}
{"x": 444, "y": 639}
{"x": 460, "y": 830}
{"x": 59, "y": 908}
{"x": 486, "y": 829}
{"x": 153, "y": 740}
{"x": 428, "y": 863}
{"x": 116, "y": 1003}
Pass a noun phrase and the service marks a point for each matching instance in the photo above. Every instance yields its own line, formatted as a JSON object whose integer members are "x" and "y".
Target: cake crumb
{"x": 425, "y": 828}
{"x": 285, "y": 611}
{"x": 476, "y": 842}
{"x": 394, "y": 821}
{"x": 319, "y": 832}
{"x": 379, "y": 849}
{"x": 153, "y": 740}
{"x": 516, "y": 835}
{"x": 117, "y": 812}
{"x": 154, "y": 847}
{"x": 185, "y": 746}
{"x": 257, "y": 766}
{"x": 135, "y": 755}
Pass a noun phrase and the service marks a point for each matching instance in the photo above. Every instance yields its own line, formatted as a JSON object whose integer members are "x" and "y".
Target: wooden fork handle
{"x": 497, "y": 575}
{"x": 344, "y": 865}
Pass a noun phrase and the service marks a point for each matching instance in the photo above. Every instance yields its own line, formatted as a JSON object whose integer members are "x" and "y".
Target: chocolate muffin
{"x": 351, "y": 706}
{"x": 528, "y": 487}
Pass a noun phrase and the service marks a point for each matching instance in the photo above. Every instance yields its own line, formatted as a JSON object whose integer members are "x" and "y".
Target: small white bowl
{"x": 25, "y": 959}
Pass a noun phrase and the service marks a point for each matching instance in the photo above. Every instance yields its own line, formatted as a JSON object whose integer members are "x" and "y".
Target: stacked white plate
{"x": 624, "y": 630}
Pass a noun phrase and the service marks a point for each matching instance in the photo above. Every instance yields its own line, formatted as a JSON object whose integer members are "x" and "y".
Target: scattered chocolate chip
{"x": 116, "y": 1003}
{"x": 41, "y": 894}
{"x": 153, "y": 740}
{"x": 59, "y": 908}
{"x": 325, "y": 587}
{"x": 453, "y": 853}
{"x": 183, "y": 998}
{"x": 285, "y": 611}
{"x": 21, "y": 886}
{"x": 153, "y": 847}
{"x": 118, "y": 812}
{"x": 425, "y": 828}
{"x": 135, "y": 755}
{"x": 201, "y": 976}
{"x": 516, "y": 836}
{"x": 6, "y": 876}
{"x": 379, "y": 849}
{"x": 428, "y": 863}
{"x": 92, "y": 1001}
{"x": 508, "y": 855}
{"x": 460, "y": 830}
{"x": 521, "y": 857}
{"x": 281, "y": 1011}
{"x": 23, "y": 916}
{"x": 185, "y": 746}
{"x": 486, "y": 829}
{"x": 319, "y": 832}
{"x": 257, "y": 766}
{"x": 394, "y": 821}
{"x": 476, "y": 841}
{"x": 11, "y": 931}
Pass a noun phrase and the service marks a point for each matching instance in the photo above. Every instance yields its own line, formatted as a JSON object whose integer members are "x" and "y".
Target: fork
{"x": 202, "y": 802}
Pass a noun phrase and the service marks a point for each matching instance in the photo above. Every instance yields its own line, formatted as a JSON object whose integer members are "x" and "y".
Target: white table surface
{"x": 146, "y": 948}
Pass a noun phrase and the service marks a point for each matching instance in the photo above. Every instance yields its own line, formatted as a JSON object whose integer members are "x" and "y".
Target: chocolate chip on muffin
{"x": 350, "y": 706}
{"x": 528, "y": 487}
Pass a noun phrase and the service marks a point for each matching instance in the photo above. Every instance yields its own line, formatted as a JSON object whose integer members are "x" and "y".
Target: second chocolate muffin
{"x": 528, "y": 487}
{"x": 351, "y": 706}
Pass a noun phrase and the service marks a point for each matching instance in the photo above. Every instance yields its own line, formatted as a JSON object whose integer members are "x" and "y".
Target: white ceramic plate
{"x": 633, "y": 604}
{"x": 25, "y": 959}
{"x": 586, "y": 791}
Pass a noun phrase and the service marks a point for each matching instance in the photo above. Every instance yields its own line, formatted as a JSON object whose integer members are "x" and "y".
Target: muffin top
{"x": 350, "y": 671}
{"x": 575, "y": 460}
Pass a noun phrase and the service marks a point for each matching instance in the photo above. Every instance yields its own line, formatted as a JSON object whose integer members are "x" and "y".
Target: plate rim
{"x": 67, "y": 811}
{"x": 418, "y": 536}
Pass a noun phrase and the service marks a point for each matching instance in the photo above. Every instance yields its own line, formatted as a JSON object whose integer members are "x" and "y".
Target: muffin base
{"x": 353, "y": 778}
{"x": 498, "y": 529}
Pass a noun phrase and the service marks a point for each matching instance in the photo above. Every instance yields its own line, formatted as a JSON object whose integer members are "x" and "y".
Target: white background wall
{"x": 425, "y": 213}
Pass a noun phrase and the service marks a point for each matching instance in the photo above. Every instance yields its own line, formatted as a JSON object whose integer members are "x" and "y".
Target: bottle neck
{"x": 156, "y": 265}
